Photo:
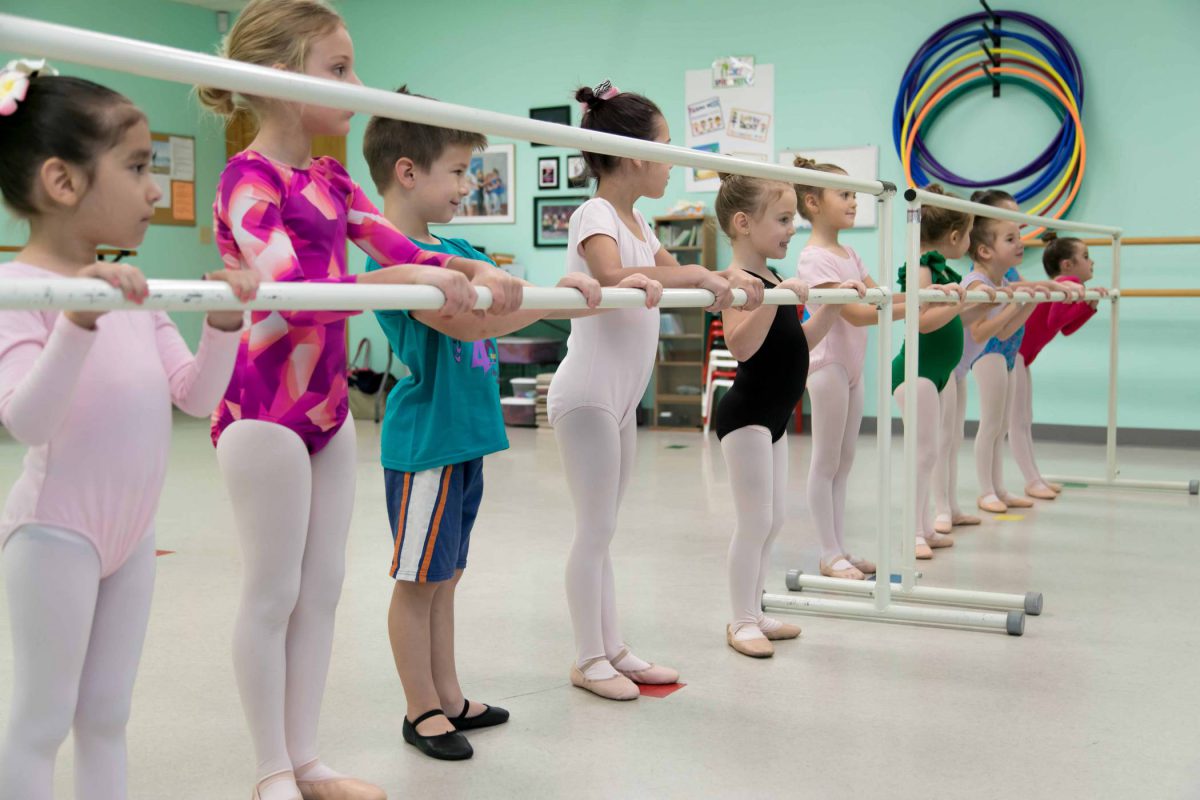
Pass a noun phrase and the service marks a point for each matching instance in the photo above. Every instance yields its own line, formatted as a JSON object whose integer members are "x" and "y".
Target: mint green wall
{"x": 168, "y": 251}
{"x": 837, "y": 67}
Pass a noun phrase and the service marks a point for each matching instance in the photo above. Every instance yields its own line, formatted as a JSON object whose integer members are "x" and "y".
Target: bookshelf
{"x": 679, "y": 368}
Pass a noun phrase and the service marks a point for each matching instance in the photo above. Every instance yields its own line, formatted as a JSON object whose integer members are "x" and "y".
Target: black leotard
{"x": 770, "y": 383}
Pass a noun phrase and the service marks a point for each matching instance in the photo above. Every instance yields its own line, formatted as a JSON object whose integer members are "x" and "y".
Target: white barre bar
{"x": 1191, "y": 487}
{"x": 933, "y": 296}
{"x": 1030, "y": 602}
{"x": 184, "y": 66}
{"x": 90, "y": 294}
{"x": 1011, "y": 622}
{"x": 981, "y": 210}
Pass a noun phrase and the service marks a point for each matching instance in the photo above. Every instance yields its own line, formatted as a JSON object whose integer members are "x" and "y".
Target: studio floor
{"x": 1099, "y": 698}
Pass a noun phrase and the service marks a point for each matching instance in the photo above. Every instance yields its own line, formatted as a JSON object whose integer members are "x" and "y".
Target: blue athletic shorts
{"x": 432, "y": 513}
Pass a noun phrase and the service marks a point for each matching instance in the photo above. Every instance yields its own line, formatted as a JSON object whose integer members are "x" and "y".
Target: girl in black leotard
{"x": 771, "y": 346}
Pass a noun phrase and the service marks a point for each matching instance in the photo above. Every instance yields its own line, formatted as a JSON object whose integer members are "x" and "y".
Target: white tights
{"x": 597, "y": 458}
{"x": 837, "y": 408}
{"x": 758, "y": 475}
{"x": 995, "y": 398}
{"x": 950, "y": 439}
{"x": 1020, "y": 424}
{"x": 293, "y": 516}
{"x": 77, "y": 640}
{"x": 929, "y": 414}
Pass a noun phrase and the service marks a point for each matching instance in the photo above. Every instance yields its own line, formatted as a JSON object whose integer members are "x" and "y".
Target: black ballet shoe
{"x": 490, "y": 716}
{"x": 452, "y": 746}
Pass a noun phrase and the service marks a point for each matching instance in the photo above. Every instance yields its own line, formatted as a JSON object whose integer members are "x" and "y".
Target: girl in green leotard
{"x": 944, "y": 235}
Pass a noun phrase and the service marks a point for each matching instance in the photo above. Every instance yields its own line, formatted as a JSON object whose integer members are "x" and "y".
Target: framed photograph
{"x": 552, "y": 218}
{"x": 557, "y": 114}
{"x": 548, "y": 172}
{"x": 576, "y": 172}
{"x": 491, "y": 182}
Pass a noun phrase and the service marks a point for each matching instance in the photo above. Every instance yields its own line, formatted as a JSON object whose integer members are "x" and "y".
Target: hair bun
{"x": 1049, "y": 236}
{"x": 218, "y": 101}
{"x": 584, "y": 94}
{"x": 803, "y": 162}
{"x": 935, "y": 188}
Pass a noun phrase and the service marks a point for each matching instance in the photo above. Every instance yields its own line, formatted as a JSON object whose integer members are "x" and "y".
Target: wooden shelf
{"x": 680, "y": 359}
{"x": 679, "y": 399}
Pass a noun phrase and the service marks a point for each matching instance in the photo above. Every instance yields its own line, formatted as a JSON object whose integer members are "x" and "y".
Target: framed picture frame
{"x": 548, "y": 172}
{"x": 551, "y": 219}
{"x": 560, "y": 115}
{"x": 577, "y": 175}
{"x": 491, "y": 199}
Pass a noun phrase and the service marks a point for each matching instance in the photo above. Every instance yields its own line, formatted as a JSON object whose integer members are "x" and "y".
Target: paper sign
{"x": 705, "y": 116}
{"x": 751, "y": 125}
{"x": 733, "y": 71}
{"x": 183, "y": 202}
{"x": 163, "y": 183}
{"x": 183, "y": 159}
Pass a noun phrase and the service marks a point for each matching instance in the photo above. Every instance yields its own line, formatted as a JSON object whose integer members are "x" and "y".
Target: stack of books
{"x": 543, "y": 391}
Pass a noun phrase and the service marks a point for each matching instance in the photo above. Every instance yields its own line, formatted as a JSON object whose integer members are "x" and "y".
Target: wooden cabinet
{"x": 679, "y": 368}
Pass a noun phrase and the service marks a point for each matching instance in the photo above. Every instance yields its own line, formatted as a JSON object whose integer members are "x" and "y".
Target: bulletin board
{"x": 859, "y": 162}
{"x": 173, "y": 167}
{"x": 736, "y": 121}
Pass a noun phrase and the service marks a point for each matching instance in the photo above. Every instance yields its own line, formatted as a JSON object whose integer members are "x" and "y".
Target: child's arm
{"x": 474, "y": 327}
{"x": 604, "y": 262}
{"x": 934, "y": 316}
{"x": 39, "y": 367}
{"x": 197, "y": 382}
{"x": 820, "y": 321}
{"x": 381, "y": 240}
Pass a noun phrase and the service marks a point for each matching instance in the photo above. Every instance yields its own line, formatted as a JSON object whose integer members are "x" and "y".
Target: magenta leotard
{"x": 292, "y": 224}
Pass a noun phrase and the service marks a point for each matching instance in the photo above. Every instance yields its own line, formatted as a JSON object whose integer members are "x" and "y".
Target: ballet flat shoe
{"x": 1016, "y": 501}
{"x": 340, "y": 789}
{"x": 491, "y": 715}
{"x": 450, "y": 746}
{"x": 785, "y": 631}
{"x": 758, "y": 647}
{"x": 286, "y": 775}
{"x": 653, "y": 675}
{"x": 923, "y": 551}
{"x": 618, "y": 687}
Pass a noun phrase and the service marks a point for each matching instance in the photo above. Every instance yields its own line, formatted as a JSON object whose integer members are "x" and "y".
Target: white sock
{"x": 630, "y": 663}
{"x": 278, "y": 788}
{"x": 744, "y": 631}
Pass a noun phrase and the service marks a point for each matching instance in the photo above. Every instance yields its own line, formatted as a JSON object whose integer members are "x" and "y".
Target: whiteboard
{"x": 859, "y": 162}
{"x": 736, "y": 121}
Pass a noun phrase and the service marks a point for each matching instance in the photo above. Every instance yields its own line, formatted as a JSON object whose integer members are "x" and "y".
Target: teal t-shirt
{"x": 448, "y": 410}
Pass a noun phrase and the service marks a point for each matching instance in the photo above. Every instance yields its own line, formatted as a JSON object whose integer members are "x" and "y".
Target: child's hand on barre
{"x": 586, "y": 285}
{"x": 798, "y": 288}
{"x": 244, "y": 283}
{"x": 651, "y": 287}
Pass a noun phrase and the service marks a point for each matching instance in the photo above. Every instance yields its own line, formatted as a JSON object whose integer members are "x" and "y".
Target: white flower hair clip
{"x": 14, "y": 81}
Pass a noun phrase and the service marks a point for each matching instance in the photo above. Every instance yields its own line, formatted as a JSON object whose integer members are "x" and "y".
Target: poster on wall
{"x": 858, "y": 162}
{"x": 490, "y": 179}
{"x": 173, "y": 170}
{"x": 735, "y": 120}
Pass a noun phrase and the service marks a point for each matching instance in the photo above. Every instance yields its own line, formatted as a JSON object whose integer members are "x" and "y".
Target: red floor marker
{"x": 659, "y": 689}
{"x": 164, "y": 552}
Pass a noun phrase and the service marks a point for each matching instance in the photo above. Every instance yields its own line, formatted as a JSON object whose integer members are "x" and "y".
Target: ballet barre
{"x": 91, "y": 294}
{"x": 1131, "y": 241}
{"x": 80, "y": 46}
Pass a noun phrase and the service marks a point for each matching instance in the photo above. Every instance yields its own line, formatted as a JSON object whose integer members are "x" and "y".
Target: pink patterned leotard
{"x": 291, "y": 224}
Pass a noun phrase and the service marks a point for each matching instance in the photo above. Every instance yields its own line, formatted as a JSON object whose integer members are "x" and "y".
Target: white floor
{"x": 1099, "y": 699}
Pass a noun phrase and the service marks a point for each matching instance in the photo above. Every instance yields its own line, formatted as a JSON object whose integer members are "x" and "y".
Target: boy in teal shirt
{"x": 440, "y": 422}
